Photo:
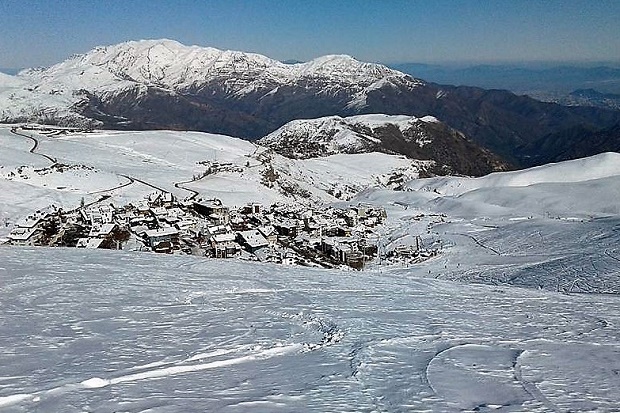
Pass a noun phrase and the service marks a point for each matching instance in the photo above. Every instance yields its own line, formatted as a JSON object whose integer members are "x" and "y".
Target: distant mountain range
{"x": 568, "y": 85}
{"x": 581, "y": 97}
{"x": 162, "y": 84}
{"x": 523, "y": 79}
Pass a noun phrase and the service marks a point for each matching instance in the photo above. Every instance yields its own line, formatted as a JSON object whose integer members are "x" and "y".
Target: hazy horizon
{"x": 524, "y": 64}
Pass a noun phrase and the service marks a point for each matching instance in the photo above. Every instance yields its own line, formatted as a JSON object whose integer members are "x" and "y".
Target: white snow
{"x": 85, "y": 330}
{"x": 119, "y": 331}
{"x": 557, "y": 230}
{"x": 578, "y": 170}
{"x": 127, "y": 166}
{"x": 334, "y": 134}
{"x": 136, "y": 65}
{"x": 8, "y": 82}
{"x": 349, "y": 173}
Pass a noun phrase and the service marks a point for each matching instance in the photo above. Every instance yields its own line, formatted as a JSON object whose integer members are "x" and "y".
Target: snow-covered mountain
{"x": 91, "y": 85}
{"x": 171, "y": 65}
{"x": 162, "y": 84}
{"x": 417, "y": 138}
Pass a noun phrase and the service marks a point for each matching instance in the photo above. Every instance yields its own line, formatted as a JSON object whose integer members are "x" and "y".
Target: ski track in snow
{"x": 97, "y": 382}
{"x": 243, "y": 336}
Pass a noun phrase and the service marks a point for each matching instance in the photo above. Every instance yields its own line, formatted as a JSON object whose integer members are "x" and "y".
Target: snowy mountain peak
{"x": 423, "y": 138}
{"x": 308, "y": 138}
{"x": 97, "y": 88}
{"x": 345, "y": 65}
{"x": 171, "y": 64}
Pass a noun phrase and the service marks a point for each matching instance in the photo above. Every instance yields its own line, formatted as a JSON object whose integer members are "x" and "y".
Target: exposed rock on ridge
{"x": 417, "y": 138}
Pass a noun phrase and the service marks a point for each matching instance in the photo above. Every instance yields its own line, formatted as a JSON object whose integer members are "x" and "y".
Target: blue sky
{"x": 43, "y": 32}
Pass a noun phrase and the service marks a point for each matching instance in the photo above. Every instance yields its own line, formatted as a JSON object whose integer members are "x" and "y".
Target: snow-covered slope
{"x": 8, "y": 82}
{"x": 578, "y": 170}
{"x": 118, "y": 331}
{"x": 423, "y": 138}
{"x": 553, "y": 227}
{"x": 309, "y": 138}
{"x": 128, "y": 165}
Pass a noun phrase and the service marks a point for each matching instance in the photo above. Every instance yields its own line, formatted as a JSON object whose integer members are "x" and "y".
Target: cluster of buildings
{"x": 287, "y": 234}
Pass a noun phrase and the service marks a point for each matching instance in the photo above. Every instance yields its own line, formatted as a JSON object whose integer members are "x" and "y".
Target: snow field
{"x": 557, "y": 230}
{"x": 579, "y": 170}
{"x": 163, "y": 159}
{"x": 109, "y": 331}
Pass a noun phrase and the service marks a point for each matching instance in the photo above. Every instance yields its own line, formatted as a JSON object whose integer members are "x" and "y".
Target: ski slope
{"x": 120, "y": 331}
{"x": 111, "y": 331}
{"x": 568, "y": 172}
{"x": 555, "y": 227}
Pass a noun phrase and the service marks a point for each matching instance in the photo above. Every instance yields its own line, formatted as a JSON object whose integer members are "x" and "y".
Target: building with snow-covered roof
{"x": 163, "y": 239}
{"x": 25, "y": 236}
{"x": 214, "y": 210}
{"x": 224, "y": 237}
{"x": 102, "y": 231}
{"x": 162, "y": 199}
{"x": 30, "y": 221}
{"x": 252, "y": 208}
{"x": 102, "y": 214}
{"x": 228, "y": 249}
{"x": 217, "y": 229}
{"x": 253, "y": 240}
{"x": 159, "y": 211}
{"x": 286, "y": 227}
{"x": 90, "y": 243}
{"x": 269, "y": 232}
{"x": 167, "y": 199}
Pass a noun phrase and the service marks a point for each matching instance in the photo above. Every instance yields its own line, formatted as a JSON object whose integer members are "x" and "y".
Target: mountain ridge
{"x": 162, "y": 84}
{"x": 167, "y": 63}
{"x": 423, "y": 138}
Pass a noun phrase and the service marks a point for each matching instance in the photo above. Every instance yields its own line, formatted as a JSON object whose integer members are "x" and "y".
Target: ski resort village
{"x": 292, "y": 233}
{"x": 281, "y": 233}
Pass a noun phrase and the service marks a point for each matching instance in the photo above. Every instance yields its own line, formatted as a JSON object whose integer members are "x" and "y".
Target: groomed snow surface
{"x": 119, "y": 331}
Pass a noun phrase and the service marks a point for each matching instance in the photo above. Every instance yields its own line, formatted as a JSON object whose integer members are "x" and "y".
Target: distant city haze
{"x": 42, "y": 32}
